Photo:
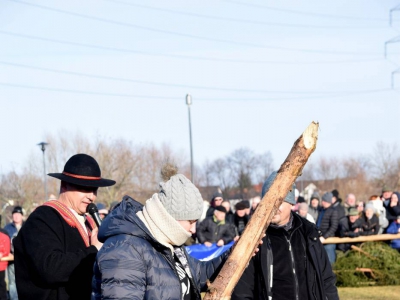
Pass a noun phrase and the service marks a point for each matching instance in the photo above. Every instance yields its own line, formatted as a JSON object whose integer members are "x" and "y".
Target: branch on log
{"x": 367, "y": 270}
{"x": 291, "y": 168}
{"x": 362, "y": 251}
{"x": 360, "y": 239}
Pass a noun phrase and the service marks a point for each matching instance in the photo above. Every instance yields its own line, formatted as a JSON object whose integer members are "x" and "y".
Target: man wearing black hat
{"x": 56, "y": 248}
{"x": 240, "y": 218}
{"x": 214, "y": 230}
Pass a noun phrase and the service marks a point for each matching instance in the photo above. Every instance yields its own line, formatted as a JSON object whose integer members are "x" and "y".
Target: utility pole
{"x": 43, "y": 148}
{"x": 188, "y": 103}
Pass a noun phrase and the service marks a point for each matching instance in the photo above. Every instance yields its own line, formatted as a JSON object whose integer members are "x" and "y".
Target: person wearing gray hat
{"x": 328, "y": 223}
{"x": 350, "y": 226}
{"x": 291, "y": 263}
{"x": 143, "y": 256}
{"x": 314, "y": 207}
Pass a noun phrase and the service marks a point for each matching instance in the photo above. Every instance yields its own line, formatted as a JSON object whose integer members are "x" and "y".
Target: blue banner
{"x": 202, "y": 252}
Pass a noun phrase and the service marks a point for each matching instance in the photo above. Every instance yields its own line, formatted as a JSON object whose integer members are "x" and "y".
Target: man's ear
{"x": 63, "y": 187}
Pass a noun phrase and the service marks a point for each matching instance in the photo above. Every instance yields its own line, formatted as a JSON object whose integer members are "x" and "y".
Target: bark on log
{"x": 360, "y": 239}
{"x": 243, "y": 250}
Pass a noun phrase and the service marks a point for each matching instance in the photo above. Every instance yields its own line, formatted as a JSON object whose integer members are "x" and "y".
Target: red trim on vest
{"x": 71, "y": 219}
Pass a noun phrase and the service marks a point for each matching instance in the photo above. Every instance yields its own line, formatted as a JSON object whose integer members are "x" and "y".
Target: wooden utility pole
{"x": 291, "y": 168}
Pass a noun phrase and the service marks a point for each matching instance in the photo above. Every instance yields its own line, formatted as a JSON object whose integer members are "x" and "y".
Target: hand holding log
{"x": 291, "y": 168}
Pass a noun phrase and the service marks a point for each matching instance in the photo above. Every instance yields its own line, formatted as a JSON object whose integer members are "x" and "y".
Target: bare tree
{"x": 264, "y": 167}
{"x": 241, "y": 163}
{"x": 222, "y": 175}
{"x": 385, "y": 165}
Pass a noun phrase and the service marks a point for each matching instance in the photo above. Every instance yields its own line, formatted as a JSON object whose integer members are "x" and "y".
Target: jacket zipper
{"x": 175, "y": 272}
{"x": 293, "y": 269}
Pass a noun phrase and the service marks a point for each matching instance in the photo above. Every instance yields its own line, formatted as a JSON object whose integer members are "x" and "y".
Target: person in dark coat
{"x": 216, "y": 200}
{"x": 327, "y": 223}
{"x": 350, "y": 226}
{"x": 393, "y": 207}
{"x": 370, "y": 220}
{"x": 240, "y": 219}
{"x": 229, "y": 213}
{"x": 143, "y": 256}
{"x": 291, "y": 263}
{"x": 12, "y": 229}
{"x": 314, "y": 207}
{"x": 337, "y": 204}
{"x": 215, "y": 229}
{"x": 56, "y": 247}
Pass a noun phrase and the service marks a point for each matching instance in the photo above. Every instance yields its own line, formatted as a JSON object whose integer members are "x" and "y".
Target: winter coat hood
{"x": 123, "y": 220}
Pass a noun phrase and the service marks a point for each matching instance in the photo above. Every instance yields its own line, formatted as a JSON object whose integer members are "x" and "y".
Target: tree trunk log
{"x": 360, "y": 239}
{"x": 225, "y": 282}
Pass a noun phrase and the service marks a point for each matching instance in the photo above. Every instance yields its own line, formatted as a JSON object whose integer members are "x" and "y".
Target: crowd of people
{"x": 332, "y": 217}
{"x": 139, "y": 250}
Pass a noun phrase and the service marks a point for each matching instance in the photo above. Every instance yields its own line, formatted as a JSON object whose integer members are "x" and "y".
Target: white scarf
{"x": 164, "y": 228}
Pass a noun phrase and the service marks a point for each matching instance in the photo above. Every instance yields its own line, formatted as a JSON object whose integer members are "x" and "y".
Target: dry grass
{"x": 370, "y": 293}
{"x": 366, "y": 293}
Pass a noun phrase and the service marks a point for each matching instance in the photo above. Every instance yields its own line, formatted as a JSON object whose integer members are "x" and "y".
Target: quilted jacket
{"x": 133, "y": 265}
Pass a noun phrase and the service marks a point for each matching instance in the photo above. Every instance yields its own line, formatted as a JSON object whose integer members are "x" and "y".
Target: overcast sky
{"x": 259, "y": 73}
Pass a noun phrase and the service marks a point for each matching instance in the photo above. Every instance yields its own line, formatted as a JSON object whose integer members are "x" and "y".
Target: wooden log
{"x": 361, "y": 239}
{"x": 243, "y": 250}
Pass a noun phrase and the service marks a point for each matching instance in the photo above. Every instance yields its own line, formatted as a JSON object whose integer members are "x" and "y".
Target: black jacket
{"x": 210, "y": 231}
{"x": 257, "y": 278}
{"x": 330, "y": 221}
{"x": 51, "y": 259}
{"x": 240, "y": 223}
{"x": 370, "y": 226}
{"x": 348, "y": 229}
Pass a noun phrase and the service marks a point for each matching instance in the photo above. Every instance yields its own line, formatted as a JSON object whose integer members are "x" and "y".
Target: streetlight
{"x": 189, "y": 102}
{"x": 43, "y": 148}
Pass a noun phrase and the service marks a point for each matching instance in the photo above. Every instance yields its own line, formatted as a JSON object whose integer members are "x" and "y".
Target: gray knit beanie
{"x": 267, "y": 184}
{"x": 181, "y": 199}
{"x": 327, "y": 197}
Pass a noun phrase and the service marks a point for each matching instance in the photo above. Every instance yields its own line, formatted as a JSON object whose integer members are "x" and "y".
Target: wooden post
{"x": 243, "y": 250}
{"x": 361, "y": 239}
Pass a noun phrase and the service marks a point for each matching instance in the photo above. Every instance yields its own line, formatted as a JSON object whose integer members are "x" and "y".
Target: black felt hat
{"x": 83, "y": 170}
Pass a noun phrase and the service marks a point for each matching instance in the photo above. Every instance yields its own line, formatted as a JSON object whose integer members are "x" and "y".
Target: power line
{"x": 305, "y": 13}
{"x": 391, "y": 13}
{"x": 177, "y": 56}
{"x": 190, "y": 35}
{"x": 57, "y": 71}
{"x": 175, "y": 12}
{"x": 82, "y": 92}
{"x": 22, "y": 86}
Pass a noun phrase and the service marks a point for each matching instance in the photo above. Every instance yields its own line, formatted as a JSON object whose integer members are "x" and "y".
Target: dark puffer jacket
{"x": 329, "y": 223}
{"x": 133, "y": 265}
